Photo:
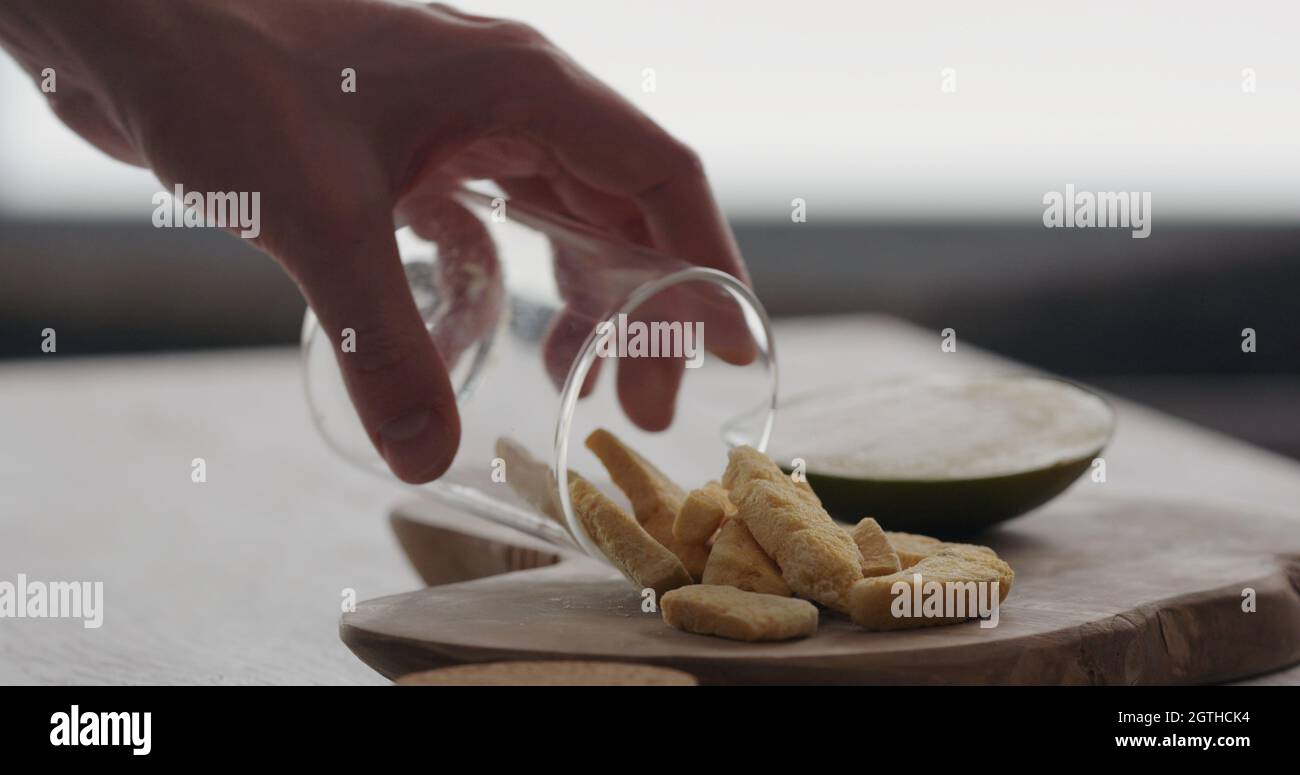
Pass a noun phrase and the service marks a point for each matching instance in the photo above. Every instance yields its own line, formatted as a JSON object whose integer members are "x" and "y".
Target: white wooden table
{"x": 239, "y": 580}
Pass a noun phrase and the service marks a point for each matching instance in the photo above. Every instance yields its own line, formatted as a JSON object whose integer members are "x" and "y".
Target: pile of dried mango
{"x": 746, "y": 557}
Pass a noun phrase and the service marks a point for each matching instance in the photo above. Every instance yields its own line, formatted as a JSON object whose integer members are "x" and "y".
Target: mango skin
{"x": 946, "y": 508}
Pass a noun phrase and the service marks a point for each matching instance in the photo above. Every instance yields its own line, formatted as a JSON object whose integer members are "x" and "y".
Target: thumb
{"x": 353, "y": 279}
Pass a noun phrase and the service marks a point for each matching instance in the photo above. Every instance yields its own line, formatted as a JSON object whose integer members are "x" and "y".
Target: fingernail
{"x": 413, "y": 448}
{"x": 405, "y": 428}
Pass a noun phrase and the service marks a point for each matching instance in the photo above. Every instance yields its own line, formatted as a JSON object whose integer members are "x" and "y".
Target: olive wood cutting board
{"x": 1107, "y": 591}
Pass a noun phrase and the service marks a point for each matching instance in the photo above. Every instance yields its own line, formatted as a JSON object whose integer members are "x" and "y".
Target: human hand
{"x": 242, "y": 95}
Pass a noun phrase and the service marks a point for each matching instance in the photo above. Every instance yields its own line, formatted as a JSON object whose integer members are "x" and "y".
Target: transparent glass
{"x": 516, "y": 310}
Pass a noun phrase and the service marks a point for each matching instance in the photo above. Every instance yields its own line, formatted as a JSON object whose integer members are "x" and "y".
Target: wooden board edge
{"x": 1190, "y": 639}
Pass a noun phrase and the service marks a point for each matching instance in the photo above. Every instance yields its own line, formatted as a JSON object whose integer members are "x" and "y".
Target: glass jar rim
{"x": 581, "y": 366}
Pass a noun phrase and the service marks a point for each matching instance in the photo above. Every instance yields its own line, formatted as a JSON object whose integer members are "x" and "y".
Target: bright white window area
{"x": 842, "y": 104}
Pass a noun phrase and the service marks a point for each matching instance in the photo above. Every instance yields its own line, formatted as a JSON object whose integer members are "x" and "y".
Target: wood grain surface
{"x": 241, "y": 579}
{"x": 1108, "y": 591}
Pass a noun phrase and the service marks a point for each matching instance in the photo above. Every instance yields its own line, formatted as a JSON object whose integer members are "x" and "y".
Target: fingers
{"x": 647, "y": 387}
{"x": 565, "y": 336}
{"x": 353, "y": 279}
{"x": 534, "y": 190}
{"x": 612, "y": 214}
{"x": 647, "y": 390}
{"x": 467, "y": 283}
{"x": 569, "y": 328}
{"x": 606, "y": 144}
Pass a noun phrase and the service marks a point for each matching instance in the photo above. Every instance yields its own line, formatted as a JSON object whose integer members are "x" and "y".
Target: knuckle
{"x": 682, "y": 161}
{"x": 536, "y": 66}
{"x": 679, "y": 165}
{"x": 380, "y": 350}
{"x": 533, "y": 59}
{"x": 510, "y": 32}
{"x": 530, "y": 82}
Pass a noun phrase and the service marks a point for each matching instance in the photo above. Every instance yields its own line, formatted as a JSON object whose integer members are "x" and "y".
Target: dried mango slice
{"x": 702, "y": 513}
{"x": 878, "y": 556}
{"x": 871, "y": 600}
{"x": 655, "y": 499}
{"x": 745, "y": 464}
{"x": 732, "y": 613}
{"x": 912, "y": 548}
{"x": 642, "y": 559}
{"x": 738, "y": 561}
{"x": 817, "y": 557}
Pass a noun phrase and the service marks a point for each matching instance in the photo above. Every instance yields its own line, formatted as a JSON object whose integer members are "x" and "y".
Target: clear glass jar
{"x": 524, "y": 312}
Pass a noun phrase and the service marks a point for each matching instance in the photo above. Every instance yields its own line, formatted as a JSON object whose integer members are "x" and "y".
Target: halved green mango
{"x": 942, "y": 455}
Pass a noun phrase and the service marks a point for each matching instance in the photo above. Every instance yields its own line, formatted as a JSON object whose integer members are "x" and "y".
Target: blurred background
{"x": 922, "y": 138}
